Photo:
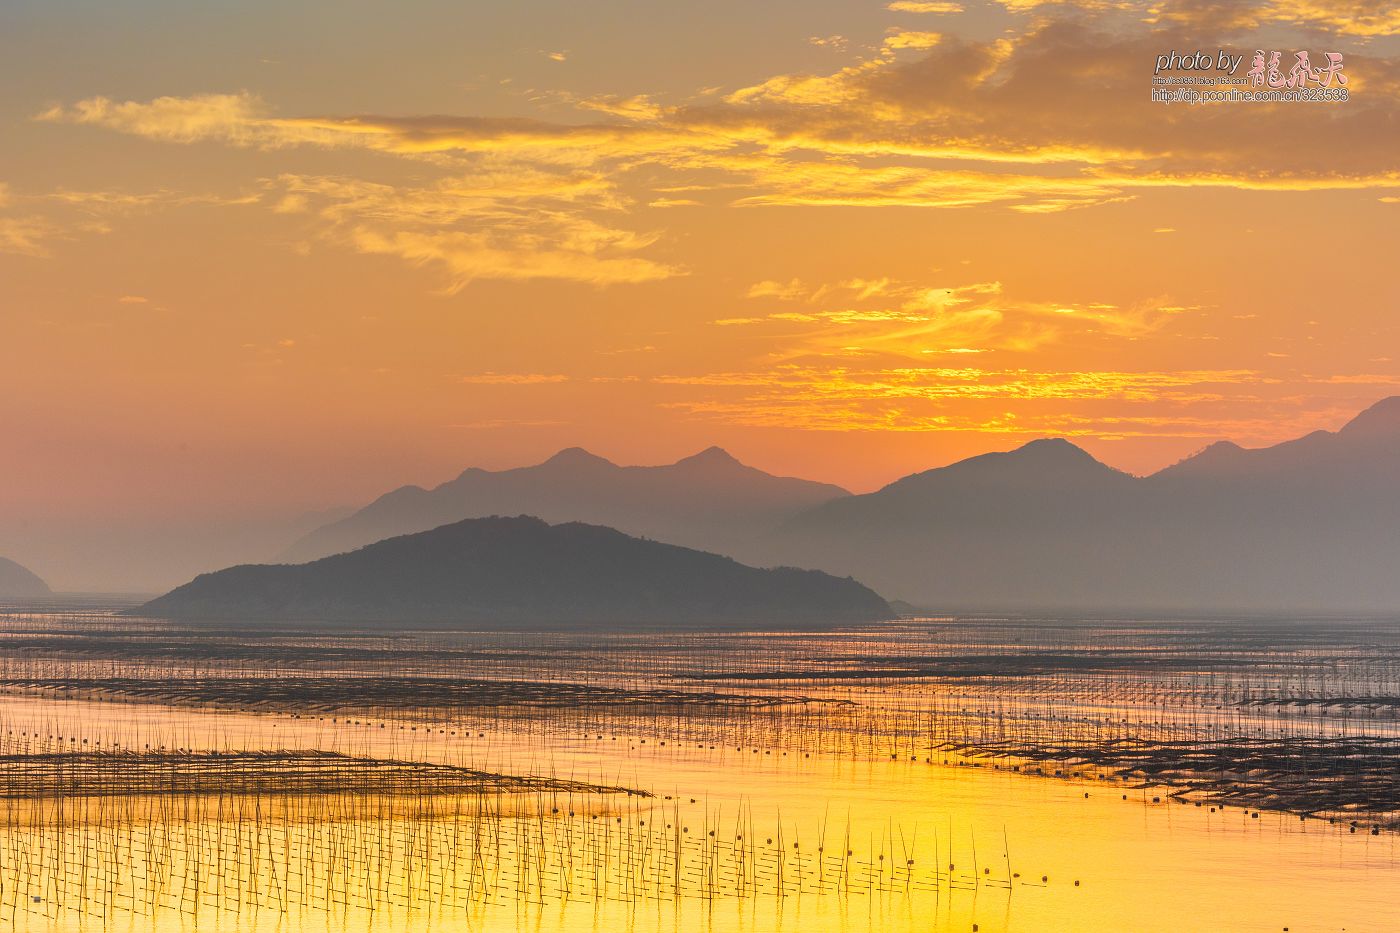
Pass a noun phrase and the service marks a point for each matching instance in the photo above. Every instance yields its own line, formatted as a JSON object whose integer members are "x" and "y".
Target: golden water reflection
{"x": 743, "y": 827}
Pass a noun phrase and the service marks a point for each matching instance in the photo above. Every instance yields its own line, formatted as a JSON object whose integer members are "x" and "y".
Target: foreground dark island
{"x": 518, "y": 573}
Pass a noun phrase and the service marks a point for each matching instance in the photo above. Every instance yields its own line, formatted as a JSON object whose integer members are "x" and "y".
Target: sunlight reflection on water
{"x": 932, "y": 846}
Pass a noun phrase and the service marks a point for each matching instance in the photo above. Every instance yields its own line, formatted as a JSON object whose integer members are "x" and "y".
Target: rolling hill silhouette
{"x": 1309, "y": 525}
{"x": 520, "y": 573}
{"x": 18, "y": 581}
{"x": 709, "y": 501}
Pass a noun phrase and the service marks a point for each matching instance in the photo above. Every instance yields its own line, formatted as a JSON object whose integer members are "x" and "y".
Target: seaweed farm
{"x": 988, "y": 774}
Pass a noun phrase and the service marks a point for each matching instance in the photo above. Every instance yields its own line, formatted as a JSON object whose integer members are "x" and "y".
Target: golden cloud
{"x": 468, "y": 256}
{"x": 843, "y": 398}
{"x": 28, "y": 236}
{"x": 512, "y": 223}
{"x": 1054, "y": 119}
{"x": 1360, "y": 18}
{"x": 783, "y": 291}
{"x": 908, "y": 320}
{"x": 924, "y": 6}
{"x": 1345, "y": 17}
{"x": 229, "y": 118}
{"x": 512, "y": 379}
{"x": 912, "y": 40}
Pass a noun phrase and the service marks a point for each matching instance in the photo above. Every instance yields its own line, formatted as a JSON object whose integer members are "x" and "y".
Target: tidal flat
{"x": 955, "y": 773}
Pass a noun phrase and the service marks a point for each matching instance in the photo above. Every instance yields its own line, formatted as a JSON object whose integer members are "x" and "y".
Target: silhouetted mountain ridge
{"x": 1310, "y": 524}
{"x": 1048, "y": 462}
{"x": 1305, "y": 525}
{"x": 1381, "y": 419}
{"x": 520, "y": 573}
{"x": 1366, "y": 447}
{"x": 708, "y": 500}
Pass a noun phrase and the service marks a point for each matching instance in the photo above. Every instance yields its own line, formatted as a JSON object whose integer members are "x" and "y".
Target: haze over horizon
{"x": 714, "y": 502}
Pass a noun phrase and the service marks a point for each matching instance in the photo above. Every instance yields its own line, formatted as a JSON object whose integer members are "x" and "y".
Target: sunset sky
{"x": 266, "y": 257}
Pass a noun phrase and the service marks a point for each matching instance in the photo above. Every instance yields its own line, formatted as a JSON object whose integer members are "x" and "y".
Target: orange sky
{"x": 261, "y": 260}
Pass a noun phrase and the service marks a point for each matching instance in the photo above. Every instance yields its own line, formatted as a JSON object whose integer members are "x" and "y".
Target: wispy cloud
{"x": 784, "y": 291}
{"x": 924, "y": 6}
{"x": 512, "y": 379}
{"x": 911, "y": 39}
{"x": 28, "y": 236}
{"x": 1361, "y": 18}
{"x": 509, "y": 223}
{"x": 843, "y": 398}
{"x": 35, "y": 224}
{"x": 906, "y": 320}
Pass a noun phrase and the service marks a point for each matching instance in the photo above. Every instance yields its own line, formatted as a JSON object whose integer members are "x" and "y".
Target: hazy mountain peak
{"x": 1054, "y": 448}
{"x": 711, "y": 456}
{"x": 1047, "y": 456}
{"x": 1352, "y": 452}
{"x": 1216, "y": 456}
{"x": 576, "y": 457}
{"x": 1048, "y": 461}
{"x": 1382, "y": 418}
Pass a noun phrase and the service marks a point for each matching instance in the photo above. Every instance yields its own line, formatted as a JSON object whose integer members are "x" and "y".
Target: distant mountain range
{"x": 522, "y": 572}
{"x": 1309, "y": 525}
{"x": 709, "y": 501}
{"x": 19, "y": 582}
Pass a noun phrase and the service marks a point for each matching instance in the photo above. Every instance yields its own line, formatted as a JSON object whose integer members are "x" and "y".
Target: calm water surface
{"x": 932, "y": 845}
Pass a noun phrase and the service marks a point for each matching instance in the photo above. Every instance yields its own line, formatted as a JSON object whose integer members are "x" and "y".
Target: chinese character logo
{"x": 1269, "y": 72}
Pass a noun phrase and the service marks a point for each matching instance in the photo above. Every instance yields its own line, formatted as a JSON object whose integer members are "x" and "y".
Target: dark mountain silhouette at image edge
{"x": 19, "y": 581}
{"x": 518, "y": 573}
{"x": 709, "y": 501}
{"x": 1308, "y": 525}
